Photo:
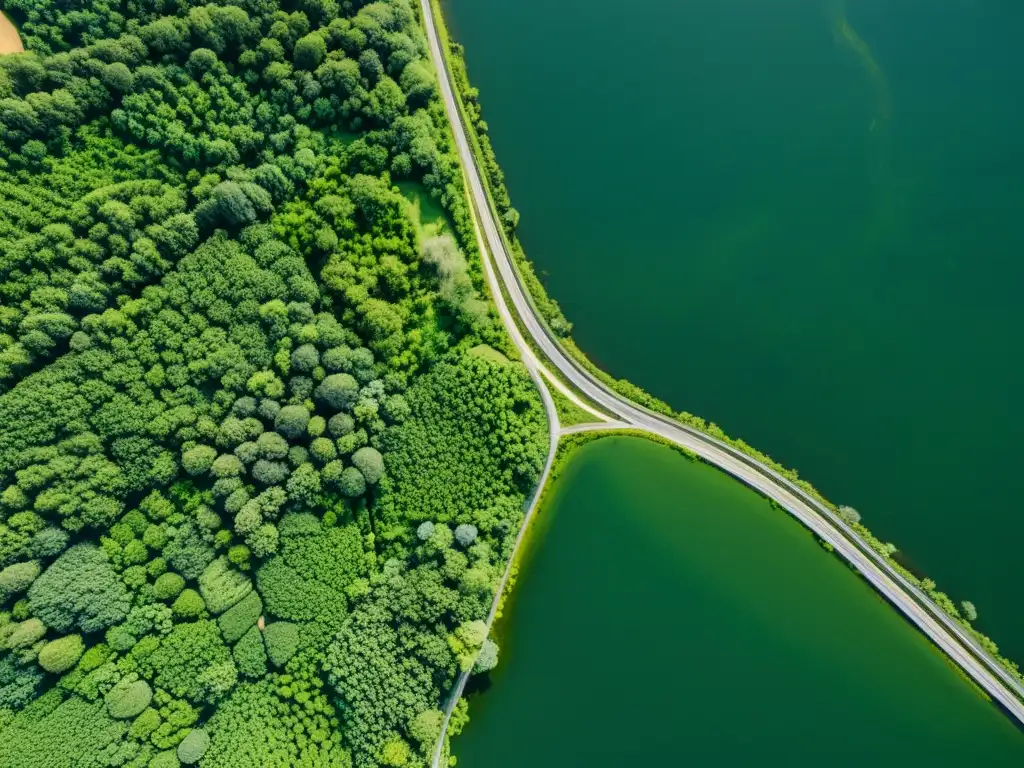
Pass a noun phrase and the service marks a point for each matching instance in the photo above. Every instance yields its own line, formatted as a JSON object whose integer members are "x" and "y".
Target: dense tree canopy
{"x": 257, "y": 486}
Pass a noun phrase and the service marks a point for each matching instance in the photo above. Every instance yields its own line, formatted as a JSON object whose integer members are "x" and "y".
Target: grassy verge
{"x": 468, "y": 103}
{"x": 570, "y": 414}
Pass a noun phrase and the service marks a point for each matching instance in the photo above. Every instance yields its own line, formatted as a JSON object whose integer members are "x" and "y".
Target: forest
{"x": 257, "y": 482}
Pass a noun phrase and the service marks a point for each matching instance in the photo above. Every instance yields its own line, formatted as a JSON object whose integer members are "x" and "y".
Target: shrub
{"x": 222, "y": 586}
{"x": 128, "y": 699}
{"x": 305, "y": 359}
{"x": 225, "y": 486}
{"x": 120, "y": 639}
{"x": 48, "y": 542}
{"x": 250, "y": 655}
{"x": 234, "y": 503}
{"x": 23, "y": 634}
{"x": 287, "y": 595}
{"x": 332, "y": 471}
{"x": 264, "y": 540}
{"x": 244, "y": 407}
{"x": 465, "y": 534}
{"x": 239, "y": 555}
{"x": 270, "y": 472}
{"x": 487, "y": 659}
{"x": 292, "y": 421}
{"x": 300, "y": 387}
{"x": 282, "y": 639}
{"x": 168, "y": 585}
{"x": 155, "y": 536}
{"x": 969, "y": 611}
{"x": 297, "y": 455}
{"x": 247, "y": 452}
{"x": 192, "y": 662}
{"x": 352, "y": 483}
{"x": 17, "y": 578}
{"x": 198, "y": 460}
{"x": 145, "y": 724}
{"x": 268, "y": 409}
{"x": 271, "y": 445}
{"x": 396, "y": 753}
{"x": 193, "y": 746}
{"x": 61, "y": 654}
{"x": 227, "y": 465}
{"x": 338, "y": 391}
{"x": 166, "y": 759}
{"x": 236, "y": 621}
{"x": 849, "y": 515}
{"x": 187, "y": 552}
{"x": 188, "y": 605}
{"x": 341, "y": 424}
{"x": 370, "y": 463}
{"x": 135, "y": 553}
{"x": 79, "y": 590}
{"x": 323, "y": 450}
{"x": 317, "y": 426}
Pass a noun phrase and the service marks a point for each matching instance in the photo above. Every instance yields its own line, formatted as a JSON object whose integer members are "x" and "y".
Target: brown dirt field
{"x": 10, "y": 41}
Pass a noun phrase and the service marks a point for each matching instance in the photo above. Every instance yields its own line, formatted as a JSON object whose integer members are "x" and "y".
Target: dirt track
{"x": 10, "y": 41}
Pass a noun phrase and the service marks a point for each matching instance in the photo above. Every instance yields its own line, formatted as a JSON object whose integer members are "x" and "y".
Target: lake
{"x": 667, "y": 615}
{"x": 800, "y": 219}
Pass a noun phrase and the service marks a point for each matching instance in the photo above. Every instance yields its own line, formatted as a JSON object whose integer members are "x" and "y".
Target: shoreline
{"x": 485, "y": 159}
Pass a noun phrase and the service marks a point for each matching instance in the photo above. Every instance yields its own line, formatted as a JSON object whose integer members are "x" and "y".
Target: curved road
{"x": 942, "y": 630}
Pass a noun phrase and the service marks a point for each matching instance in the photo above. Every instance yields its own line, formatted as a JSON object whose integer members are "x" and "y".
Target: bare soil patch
{"x": 10, "y": 40}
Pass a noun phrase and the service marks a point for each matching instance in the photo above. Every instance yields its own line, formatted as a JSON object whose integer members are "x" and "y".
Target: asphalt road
{"x": 943, "y": 631}
{"x": 535, "y": 370}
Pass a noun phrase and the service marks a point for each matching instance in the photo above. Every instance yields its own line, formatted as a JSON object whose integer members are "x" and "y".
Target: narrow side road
{"x": 943, "y": 631}
{"x": 554, "y": 431}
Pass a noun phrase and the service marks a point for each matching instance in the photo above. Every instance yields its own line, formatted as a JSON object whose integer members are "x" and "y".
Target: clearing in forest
{"x": 429, "y": 216}
{"x": 10, "y": 40}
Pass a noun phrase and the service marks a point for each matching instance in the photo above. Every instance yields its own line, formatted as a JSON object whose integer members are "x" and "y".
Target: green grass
{"x": 345, "y": 137}
{"x": 429, "y": 216}
{"x": 570, "y": 414}
{"x": 483, "y": 350}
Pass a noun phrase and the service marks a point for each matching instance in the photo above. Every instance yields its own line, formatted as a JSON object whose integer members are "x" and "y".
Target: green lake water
{"x": 802, "y": 219}
{"x": 667, "y": 615}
